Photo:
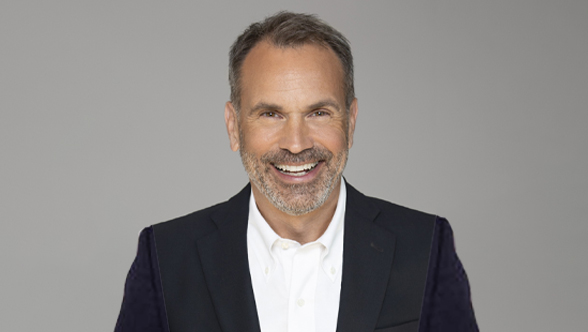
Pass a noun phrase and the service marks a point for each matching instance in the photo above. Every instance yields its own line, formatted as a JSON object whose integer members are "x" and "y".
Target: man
{"x": 298, "y": 249}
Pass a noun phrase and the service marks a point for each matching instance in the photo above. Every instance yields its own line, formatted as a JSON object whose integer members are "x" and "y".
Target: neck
{"x": 303, "y": 228}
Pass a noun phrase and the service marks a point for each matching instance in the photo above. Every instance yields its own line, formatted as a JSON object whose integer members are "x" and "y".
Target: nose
{"x": 295, "y": 136}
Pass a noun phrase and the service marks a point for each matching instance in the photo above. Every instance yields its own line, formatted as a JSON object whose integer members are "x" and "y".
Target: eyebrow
{"x": 320, "y": 104}
{"x": 327, "y": 102}
{"x": 265, "y": 106}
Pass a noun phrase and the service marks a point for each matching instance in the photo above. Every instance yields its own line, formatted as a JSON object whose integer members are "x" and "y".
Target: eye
{"x": 269, "y": 114}
{"x": 319, "y": 113}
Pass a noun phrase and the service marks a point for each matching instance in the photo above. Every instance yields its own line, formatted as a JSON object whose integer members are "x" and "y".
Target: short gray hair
{"x": 287, "y": 29}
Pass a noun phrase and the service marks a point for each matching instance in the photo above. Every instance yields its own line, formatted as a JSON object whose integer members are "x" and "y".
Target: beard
{"x": 300, "y": 198}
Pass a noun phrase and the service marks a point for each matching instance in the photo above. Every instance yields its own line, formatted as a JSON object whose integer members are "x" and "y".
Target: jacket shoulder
{"x": 391, "y": 214}
{"x": 400, "y": 211}
{"x": 202, "y": 222}
{"x": 195, "y": 224}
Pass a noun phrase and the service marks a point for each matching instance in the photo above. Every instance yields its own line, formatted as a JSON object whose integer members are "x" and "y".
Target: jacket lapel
{"x": 226, "y": 267}
{"x": 368, "y": 251}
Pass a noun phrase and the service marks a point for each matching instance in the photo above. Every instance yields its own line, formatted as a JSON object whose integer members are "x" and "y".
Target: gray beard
{"x": 295, "y": 199}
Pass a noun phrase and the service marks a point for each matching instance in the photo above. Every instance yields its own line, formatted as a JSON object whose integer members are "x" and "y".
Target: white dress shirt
{"x": 296, "y": 287}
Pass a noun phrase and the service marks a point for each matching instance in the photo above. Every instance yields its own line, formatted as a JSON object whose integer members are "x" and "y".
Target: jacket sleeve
{"x": 447, "y": 305}
{"x": 143, "y": 308}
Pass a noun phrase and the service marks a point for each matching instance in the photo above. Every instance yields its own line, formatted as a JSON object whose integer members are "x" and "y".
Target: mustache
{"x": 309, "y": 155}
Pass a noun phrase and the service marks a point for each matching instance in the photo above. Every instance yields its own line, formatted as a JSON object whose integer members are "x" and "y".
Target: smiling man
{"x": 298, "y": 249}
{"x": 293, "y": 133}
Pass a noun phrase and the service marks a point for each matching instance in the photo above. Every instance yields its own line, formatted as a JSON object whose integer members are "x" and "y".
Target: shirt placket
{"x": 301, "y": 306}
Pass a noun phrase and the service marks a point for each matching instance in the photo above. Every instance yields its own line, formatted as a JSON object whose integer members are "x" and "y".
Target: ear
{"x": 232, "y": 125}
{"x": 352, "y": 119}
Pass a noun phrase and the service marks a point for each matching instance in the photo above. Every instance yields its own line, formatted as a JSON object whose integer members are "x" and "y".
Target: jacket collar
{"x": 226, "y": 266}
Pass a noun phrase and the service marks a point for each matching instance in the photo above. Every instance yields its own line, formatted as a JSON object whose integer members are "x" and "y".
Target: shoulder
{"x": 202, "y": 222}
{"x": 198, "y": 222}
{"x": 400, "y": 217}
{"x": 390, "y": 215}
{"x": 401, "y": 212}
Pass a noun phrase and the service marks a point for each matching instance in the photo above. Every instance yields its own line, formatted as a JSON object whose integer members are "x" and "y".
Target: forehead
{"x": 303, "y": 73}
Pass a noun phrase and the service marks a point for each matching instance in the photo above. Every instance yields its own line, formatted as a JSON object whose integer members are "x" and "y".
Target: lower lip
{"x": 306, "y": 177}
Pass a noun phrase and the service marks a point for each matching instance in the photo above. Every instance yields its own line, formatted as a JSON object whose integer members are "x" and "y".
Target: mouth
{"x": 292, "y": 170}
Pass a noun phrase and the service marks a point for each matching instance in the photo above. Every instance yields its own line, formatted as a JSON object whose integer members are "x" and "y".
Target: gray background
{"x": 112, "y": 119}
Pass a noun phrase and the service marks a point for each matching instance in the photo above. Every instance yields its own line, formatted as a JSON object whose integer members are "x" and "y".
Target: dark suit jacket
{"x": 400, "y": 273}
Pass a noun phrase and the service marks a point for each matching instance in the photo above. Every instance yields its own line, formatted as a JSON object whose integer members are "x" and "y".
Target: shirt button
{"x": 266, "y": 270}
{"x": 300, "y": 302}
{"x": 285, "y": 245}
{"x": 333, "y": 270}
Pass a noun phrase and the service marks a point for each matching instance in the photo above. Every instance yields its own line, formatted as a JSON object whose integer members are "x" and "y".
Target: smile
{"x": 296, "y": 170}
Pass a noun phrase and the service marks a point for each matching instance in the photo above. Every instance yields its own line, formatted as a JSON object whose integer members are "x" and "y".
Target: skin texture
{"x": 293, "y": 113}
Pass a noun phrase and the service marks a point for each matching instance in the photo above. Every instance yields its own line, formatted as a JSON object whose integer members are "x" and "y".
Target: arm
{"x": 143, "y": 308}
{"x": 447, "y": 305}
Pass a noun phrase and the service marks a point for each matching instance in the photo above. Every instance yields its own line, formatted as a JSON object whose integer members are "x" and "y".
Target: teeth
{"x": 295, "y": 169}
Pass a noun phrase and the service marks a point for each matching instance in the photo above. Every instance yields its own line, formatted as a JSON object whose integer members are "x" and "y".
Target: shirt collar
{"x": 332, "y": 238}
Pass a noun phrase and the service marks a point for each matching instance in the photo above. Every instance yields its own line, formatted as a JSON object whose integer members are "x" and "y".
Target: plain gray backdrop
{"x": 112, "y": 120}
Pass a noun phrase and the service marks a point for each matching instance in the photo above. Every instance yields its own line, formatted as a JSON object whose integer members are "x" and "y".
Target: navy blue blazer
{"x": 400, "y": 273}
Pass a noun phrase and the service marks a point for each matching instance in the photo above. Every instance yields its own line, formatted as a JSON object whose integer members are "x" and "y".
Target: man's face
{"x": 292, "y": 130}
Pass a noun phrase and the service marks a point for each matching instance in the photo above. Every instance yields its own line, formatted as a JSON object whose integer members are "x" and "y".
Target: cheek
{"x": 259, "y": 139}
{"x": 333, "y": 138}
